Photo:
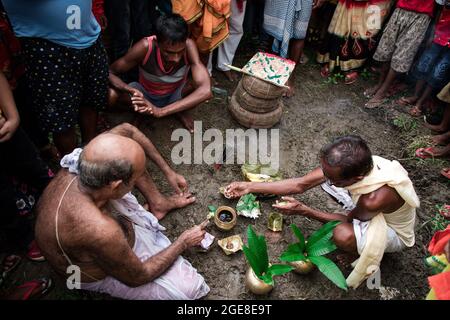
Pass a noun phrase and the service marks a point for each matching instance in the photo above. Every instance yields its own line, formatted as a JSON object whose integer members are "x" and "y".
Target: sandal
{"x": 425, "y": 153}
{"x": 33, "y": 289}
{"x": 325, "y": 71}
{"x": 404, "y": 102}
{"x": 446, "y": 172}
{"x": 351, "y": 77}
{"x": 374, "y": 104}
{"x": 9, "y": 264}
{"x": 415, "y": 112}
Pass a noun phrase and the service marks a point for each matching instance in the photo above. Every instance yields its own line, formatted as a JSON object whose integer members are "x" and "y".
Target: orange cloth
{"x": 440, "y": 282}
{"x": 207, "y": 19}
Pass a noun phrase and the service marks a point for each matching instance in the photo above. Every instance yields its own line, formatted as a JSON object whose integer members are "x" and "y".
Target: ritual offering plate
{"x": 275, "y": 222}
{"x": 260, "y": 173}
{"x": 231, "y": 244}
{"x": 225, "y": 218}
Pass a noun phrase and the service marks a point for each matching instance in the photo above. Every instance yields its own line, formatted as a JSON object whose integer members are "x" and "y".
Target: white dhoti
{"x": 180, "y": 282}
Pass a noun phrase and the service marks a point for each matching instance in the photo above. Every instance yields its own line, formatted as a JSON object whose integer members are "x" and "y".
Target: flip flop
{"x": 446, "y": 172}
{"x": 43, "y": 284}
{"x": 368, "y": 94}
{"x": 404, "y": 102}
{"x": 351, "y": 77}
{"x": 325, "y": 71}
{"x": 374, "y": 104}
{"x": 15, "y": 259}
{"x": 425, "y": 153}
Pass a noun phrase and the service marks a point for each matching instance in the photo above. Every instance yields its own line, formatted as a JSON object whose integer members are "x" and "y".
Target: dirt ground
{"x": 318, "y": 112}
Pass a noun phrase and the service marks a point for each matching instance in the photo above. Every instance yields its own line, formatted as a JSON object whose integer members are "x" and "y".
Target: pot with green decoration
{"x": 306, "y": 255}
{"x": 259, "y": 277}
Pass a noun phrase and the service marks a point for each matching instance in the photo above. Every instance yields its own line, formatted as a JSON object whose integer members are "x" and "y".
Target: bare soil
{"x": 318, "y": 112}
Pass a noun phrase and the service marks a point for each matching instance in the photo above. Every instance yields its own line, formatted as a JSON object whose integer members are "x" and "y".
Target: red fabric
{"x": 240, "y": 5}
{"x": 10, "y": 60}
{"x": 438, "y": 242}
{"x": 98, "y": 9}
{"x": 420, "y": 6}
{"x": 441, "y": 285}
{"x": 442, "y": 31}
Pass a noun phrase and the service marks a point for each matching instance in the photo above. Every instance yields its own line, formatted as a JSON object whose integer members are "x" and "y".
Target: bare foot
{"x": 369, "y": 92}
{"x": 441, "y": 138}
{"x": 186, "y": 120}
{"x": 375, "y": 102}
{"x": 396, "y": 88}
{"x": 160, "y": 209}
{"x": 289, "y": 93}
{"x": 407, "y": 101}
{"x": 436, "y": 128}
{"x": 229, "y": 75}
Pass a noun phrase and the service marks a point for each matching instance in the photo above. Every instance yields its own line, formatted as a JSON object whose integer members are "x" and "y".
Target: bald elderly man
{"x": 88, "y": 219}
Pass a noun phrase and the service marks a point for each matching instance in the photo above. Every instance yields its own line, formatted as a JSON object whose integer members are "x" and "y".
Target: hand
{"x": 317, "y": 4}
{"x": 292, "y": 207}
{"x": 8, "y": 128}
{"x": 236, "y": 189}
{"x": 177, "y": 182}
{"x": 194, "y": 236}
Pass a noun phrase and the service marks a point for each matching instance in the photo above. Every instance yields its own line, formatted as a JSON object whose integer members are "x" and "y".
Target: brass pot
{"x": 302, "y": 267}
{"x": 256, "y": 285}
{"x": 223, "y": 225}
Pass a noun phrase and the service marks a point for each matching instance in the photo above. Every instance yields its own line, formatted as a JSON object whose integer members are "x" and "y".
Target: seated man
{"x": 376, "y": 185}
{"x": 164, "y": 61}
{"x": 88, "y": 218}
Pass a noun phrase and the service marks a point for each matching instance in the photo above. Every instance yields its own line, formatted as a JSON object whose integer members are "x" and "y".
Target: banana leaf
{"x": 257, "y": 244}
{"x": 330, "y": 270}
{"x": 325, "y": 232}
{"x": 299, "y": 236}
{"x": 321, "y": 248}
{"x": 279, "y": 269}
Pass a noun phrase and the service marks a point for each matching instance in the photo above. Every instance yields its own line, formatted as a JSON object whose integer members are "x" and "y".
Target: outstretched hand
{"x": 236, "y": 190}
{"x": 177, "y": 182}
{"x": 291, "y": 206}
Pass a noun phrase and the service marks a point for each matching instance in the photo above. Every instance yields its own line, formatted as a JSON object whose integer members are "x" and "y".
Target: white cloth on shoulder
{"x": 180, "y": 282}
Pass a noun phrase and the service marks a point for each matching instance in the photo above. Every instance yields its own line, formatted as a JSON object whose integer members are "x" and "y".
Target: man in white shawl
{"x": 89, "y": 222}
{"x": 378, "y": 192}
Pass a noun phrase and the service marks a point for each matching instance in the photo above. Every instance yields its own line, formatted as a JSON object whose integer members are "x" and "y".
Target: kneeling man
{"x": 376, "y": 185}
{"x": 88, "y": 218}
{"x": 164, "y": 62}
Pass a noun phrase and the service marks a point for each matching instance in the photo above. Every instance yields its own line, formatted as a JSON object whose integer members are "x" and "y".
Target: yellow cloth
{"x": 391, "y": 173}
{"x": 444, "y": 95}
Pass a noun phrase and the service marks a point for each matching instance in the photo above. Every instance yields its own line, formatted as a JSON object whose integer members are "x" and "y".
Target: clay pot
{"x": 302, "y": 267}
{"x": 254, "y": 120}
{"x": 256, "y": 285}
{"x": 253, "y": 104}
{"x": 261, "y": 89}
{"x": 225, "y": 225}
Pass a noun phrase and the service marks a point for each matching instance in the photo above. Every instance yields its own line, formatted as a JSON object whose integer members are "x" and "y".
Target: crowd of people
{"x": 64, "y": 63}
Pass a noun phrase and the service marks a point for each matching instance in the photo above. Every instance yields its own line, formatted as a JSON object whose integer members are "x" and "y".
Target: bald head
{"x": 108, "y": 158}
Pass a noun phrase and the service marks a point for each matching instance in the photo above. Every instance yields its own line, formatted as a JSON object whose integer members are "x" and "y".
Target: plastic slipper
{"x": 351, "y": 77}
{"x": 325, "y": 71}
{"x": 404, "y": 102}
{"x": 15, "y": 259}
{"x": 425, "y": 153}
{"x": 374, "y": 104}
{"x": 446, "y": 172}
{"x": 43, "y": 284}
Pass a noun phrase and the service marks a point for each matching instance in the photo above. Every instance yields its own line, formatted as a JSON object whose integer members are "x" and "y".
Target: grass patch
{"x": 405, "y": 123}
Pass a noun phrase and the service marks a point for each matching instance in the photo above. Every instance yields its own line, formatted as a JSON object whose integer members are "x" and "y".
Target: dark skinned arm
{"x": 113, "y": 254}
{"x": 133, "y": 58}
{"x": 385, "y": 200}
{"x": 130, "y": 131}
{"x": 288, "y": 186}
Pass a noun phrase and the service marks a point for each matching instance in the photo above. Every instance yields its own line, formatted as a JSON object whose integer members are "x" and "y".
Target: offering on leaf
{"x": 275, "y": 222}
{"x": 231, "y": 244}
{"x": 247, "y": 206}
